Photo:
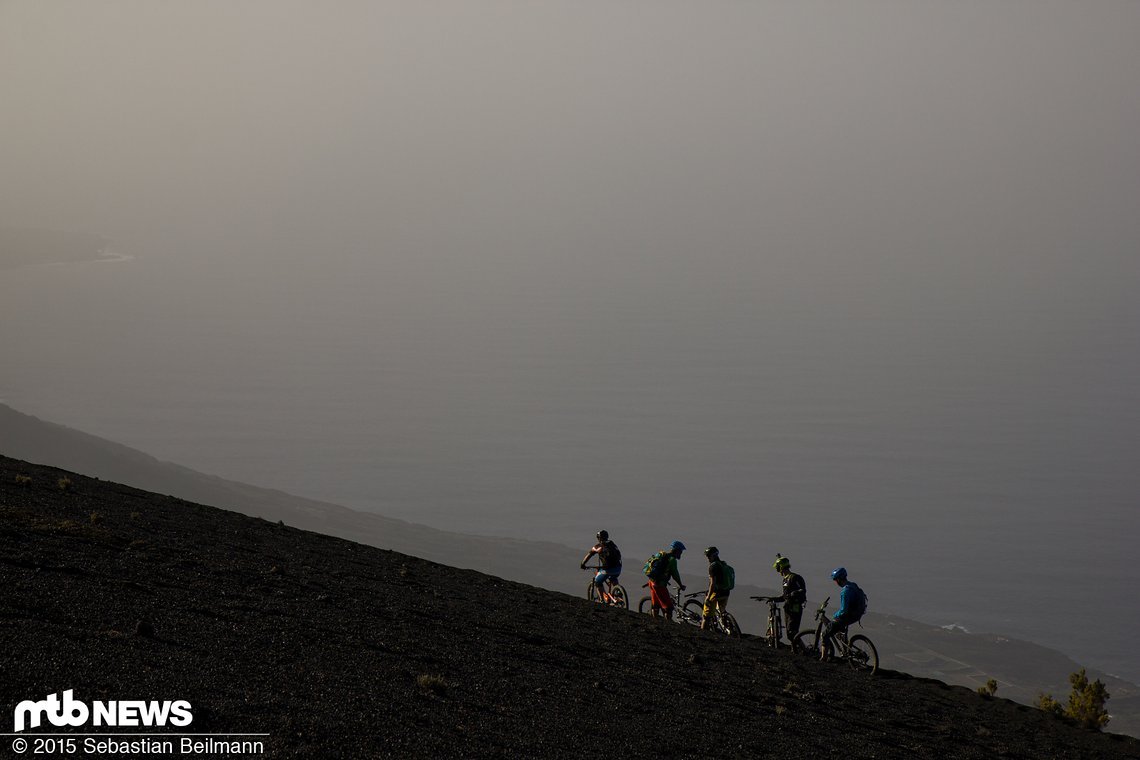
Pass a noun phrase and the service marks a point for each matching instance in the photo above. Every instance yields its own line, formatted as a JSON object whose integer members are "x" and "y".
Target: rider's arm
{"x": 842, "y": 604}
{"x": 798, "y": 593}
{"x": 674, "y": 572}
{"x": 589, "y": 554}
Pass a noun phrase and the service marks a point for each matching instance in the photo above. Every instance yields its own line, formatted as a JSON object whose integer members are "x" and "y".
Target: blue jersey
{"x": 852, "y": 603}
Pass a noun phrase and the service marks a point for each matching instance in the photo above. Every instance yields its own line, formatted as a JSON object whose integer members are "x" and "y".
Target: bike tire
{"x": 592, "y": 592}
{"x": 805, "y": 644}
{"x": 729, "y": 626}
{"x": 620, "y": 597}
{"x": 645, "y": 606}
{"x": 862, "y": 655}
{"x": 694, "y": 612}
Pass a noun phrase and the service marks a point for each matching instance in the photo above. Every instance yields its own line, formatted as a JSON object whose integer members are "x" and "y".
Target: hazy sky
{"x": 866, "y": 149}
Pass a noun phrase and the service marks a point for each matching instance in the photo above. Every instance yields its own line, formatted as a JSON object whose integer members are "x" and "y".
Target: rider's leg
{"x": 792, "y": 622}
{"x": 599, "y": 584}
{"x": 707, "y": 612}
{"x": 659, "y": 594}
{"x": 831, "y": 629}
{"x": 667, "y": 603}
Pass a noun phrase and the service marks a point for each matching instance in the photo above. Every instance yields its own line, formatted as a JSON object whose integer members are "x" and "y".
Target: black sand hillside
{"x": 340, "y": 650}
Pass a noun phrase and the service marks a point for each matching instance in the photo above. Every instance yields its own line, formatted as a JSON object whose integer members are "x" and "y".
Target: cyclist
{"x": 659, "y": 586}
{"x": 719, "y": 585}
{"x": 852, "y": 605}
{"x": 609, "y": 556}
{"x": 794, "y": 595}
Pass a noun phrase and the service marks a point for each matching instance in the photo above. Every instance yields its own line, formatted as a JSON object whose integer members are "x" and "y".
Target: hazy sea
{"x": 976, "y": 467}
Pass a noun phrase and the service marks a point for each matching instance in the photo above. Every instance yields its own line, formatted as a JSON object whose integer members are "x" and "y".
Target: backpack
{"x": 657, "y": 567}
{"x": 610, "y": 555}
{"x": 859, "y": 603}
{"x": 727, "y": 579}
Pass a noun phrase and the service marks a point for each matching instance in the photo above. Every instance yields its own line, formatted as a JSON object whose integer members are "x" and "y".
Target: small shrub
{"x": 64, "y": 484}
{"x": 1085, "y": 705}
{"x": 989, "y": 689}
{"x": 136, "y": 515}
{"x": 96, "y": 518}
{"x": 432, "y": 683}
{"x": 1048, "y": 704}
{"x": 1086, "y": 701}
{"x": 23, "y": 480}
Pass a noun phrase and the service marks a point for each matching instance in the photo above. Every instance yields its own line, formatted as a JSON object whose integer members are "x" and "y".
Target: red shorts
{"x": 659, "y": 593}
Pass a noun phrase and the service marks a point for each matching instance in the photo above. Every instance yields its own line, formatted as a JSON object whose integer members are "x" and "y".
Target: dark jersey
{"x": 795, "y": 592}
{"x": 608, "y": 553}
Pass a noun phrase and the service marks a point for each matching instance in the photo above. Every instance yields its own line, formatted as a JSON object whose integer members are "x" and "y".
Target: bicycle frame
{"x": 858, "y": 650}
{"x": 775, "y": 622}
{"x": 608, "y": 596}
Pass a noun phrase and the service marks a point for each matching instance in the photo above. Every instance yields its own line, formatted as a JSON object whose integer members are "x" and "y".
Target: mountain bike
{"x": 722, "y": 622}
{"x": 613, "y": 595}
{"x": 775, "y": 630}
{"x": 858, "y": 650}
{"x": 691, "y": 611}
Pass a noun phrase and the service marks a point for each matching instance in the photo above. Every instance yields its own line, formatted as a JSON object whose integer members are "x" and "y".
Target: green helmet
{"x": 781, "y": 563}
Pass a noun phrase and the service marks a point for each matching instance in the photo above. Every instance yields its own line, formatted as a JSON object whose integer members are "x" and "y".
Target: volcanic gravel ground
{"x": 338, "y": 650}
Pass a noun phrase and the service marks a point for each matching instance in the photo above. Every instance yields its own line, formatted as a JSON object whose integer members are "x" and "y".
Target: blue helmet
{"x": 677, "y": 546}
{"x": 839, "y": 574}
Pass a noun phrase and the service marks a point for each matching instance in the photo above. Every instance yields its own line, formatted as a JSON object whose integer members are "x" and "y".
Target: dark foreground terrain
{"x": 335, "y": 649}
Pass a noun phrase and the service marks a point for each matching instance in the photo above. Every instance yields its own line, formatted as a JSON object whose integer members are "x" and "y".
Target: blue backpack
{"x": 858, "y": 602}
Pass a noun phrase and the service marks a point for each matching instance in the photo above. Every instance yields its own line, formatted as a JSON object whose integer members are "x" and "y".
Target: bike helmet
{"x": 781, "y": 563}
{"x": 839, "y": 574}
{"x": 712, "y": 551}
{"x": 603, "y": 535}
{"x": 677, "y": 546}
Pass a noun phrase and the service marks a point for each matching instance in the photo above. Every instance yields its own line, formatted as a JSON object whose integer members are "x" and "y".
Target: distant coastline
{"x": 23, "y": 247}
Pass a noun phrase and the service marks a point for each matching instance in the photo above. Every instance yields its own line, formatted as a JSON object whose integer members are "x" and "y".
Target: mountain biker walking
{"x": 609, "y": 557}
{"x": 794, "y": 595}
{"x": 659, "y": 582}
{"x": 852, "y": 605}
{"x": 720, "y": 584}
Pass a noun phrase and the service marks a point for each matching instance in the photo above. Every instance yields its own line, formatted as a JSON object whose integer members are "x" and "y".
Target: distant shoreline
{"x": 105, "y": 256}
{"x": 22, "y": 247}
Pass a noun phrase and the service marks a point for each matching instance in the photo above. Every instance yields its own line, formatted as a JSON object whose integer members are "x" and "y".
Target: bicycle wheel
{"x": 693, "y": 612}
{"x": 620, "y": 599}
{"x": 862, "y": 655}
{"x": 645, "y": 606}
{"x": 805, "y": 644}
{"x": 727, "y": 624}
{"x": 592, "y": 592}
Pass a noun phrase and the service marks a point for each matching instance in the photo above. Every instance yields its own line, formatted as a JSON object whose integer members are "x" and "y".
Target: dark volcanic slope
{"x": 322, "y": 643}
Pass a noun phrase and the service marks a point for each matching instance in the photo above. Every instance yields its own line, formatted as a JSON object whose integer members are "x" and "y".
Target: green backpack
{"x": 657, "y": 567}
{"x": 727, "y": 580}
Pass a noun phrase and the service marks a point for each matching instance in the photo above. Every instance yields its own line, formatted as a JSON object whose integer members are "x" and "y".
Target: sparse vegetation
{"x": 433, "y": 683}
{"x": 23, "y": 480}
{"x": 989, "y": 689}
{"x": 1085, "y": 705}
{"x": 96, "y": 518}
{"x": 64, "y": 484}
